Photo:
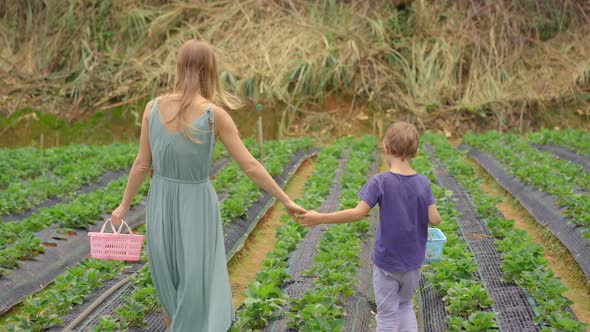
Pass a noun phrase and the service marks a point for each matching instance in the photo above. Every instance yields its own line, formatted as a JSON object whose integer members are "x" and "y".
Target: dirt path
{"x": 246, "y": 263}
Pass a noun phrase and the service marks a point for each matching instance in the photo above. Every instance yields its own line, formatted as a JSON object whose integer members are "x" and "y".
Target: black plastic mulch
{"x": 431, "y": 308}
{"x": 235, "y": 234}
{"x": 541, "y": 206}
{"x": 511, "y": 302}
{"x": 567, "y": 154}
{"x": 302, "y": 258}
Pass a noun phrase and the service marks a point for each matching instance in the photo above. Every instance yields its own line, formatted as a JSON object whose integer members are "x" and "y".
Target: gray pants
{"x": 393, "y": 293}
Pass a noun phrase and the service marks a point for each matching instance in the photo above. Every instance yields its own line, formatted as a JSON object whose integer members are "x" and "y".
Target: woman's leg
{"x": 167, "y": 320}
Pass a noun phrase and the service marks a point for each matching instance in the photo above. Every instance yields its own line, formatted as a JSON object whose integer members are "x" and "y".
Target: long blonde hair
{"x": 196, "y": 74}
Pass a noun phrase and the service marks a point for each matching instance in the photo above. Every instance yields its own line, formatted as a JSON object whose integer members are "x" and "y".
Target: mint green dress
{"x": 184, "y": 230}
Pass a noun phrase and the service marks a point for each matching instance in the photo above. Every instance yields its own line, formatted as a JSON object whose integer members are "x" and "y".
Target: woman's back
{"x": 174, "y": 155}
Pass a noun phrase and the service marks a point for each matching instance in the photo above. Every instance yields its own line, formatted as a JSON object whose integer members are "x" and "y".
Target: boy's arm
{"x": 433, "y": 215}
{"x": 312, "y": 218}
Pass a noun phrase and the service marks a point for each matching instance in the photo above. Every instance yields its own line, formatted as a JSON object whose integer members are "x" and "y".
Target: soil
{"x": 246, "y": 263}
{"x": 557, "y": 255}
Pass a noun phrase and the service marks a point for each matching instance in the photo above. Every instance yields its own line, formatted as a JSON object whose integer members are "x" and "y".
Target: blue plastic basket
{"x": 435, "y": 244}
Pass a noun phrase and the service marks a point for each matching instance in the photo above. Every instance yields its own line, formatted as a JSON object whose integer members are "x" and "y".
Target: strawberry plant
{"x": 264, "y": 302}
{"x": 132, "y": 312}
{"x": 316, "y": 311}
{"x": 450, "y": 270}
{"x": 141, "y": 301}
{"x": 465, "y": 297}
{"x": 478, "y": 321}
{"x": 109, "y": 324}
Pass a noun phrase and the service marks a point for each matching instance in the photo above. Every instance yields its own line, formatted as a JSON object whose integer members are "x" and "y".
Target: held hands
{"x": 308, "y": 218}
{"x": 119, "y": 214}
{"x": 294, "y": 209}
{"x": 311, "y": 218}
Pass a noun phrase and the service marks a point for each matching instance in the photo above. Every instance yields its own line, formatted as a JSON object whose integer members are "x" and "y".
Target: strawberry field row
{"x": 576, "y": 140}
{"x": 64, "y": 178}
{"x": 265, "y": 299}
{"x": 336, "y": 264}
{"x": 542, "y": 171}
{"x": 283, "y": 150}
{"x": 142, "y": 301}
{"x": 19, "y": 242}
{"x": 24, "y": 163}
{"x": 456, "y": 276}
{"x": 523, "y": 260}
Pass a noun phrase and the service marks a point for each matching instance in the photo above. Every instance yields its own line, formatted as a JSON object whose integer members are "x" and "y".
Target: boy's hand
{"x": 311, "y": 218}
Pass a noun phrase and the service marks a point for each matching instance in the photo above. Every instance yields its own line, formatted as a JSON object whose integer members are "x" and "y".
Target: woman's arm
{"x": 139, "y": 170}
{"x": 312, "y": 218}
{"x": 227, "y": 130}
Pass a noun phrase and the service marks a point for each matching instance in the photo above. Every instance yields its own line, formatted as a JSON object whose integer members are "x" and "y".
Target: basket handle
{"x": 105, "y": 225}
{"x": 121, "y": 227}
{"x": 116, "y": 231}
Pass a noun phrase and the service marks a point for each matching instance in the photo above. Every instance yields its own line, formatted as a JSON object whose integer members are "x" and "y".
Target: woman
{"x": 185, "y": 237}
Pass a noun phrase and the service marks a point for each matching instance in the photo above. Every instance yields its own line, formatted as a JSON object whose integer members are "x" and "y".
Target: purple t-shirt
{"x": 400, "y": 242}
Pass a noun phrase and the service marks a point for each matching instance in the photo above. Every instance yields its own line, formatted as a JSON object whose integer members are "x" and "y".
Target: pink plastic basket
{"x": 115, "y": 246}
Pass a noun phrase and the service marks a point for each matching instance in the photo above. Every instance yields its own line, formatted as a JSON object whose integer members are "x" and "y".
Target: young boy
{"x": 406, "y": 208}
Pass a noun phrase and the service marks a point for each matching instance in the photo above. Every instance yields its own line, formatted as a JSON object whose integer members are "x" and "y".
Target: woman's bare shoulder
{"x": 148, "y": 109}
{"x": 166, "y": 97}
{"x": 220, "y": 112}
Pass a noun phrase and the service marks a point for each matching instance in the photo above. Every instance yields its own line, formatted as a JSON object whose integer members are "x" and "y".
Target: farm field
{"x": 500, "y": 271}
{"x": 321, "y": 93}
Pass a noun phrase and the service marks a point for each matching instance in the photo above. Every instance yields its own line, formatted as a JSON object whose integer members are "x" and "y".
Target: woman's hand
{"x": 119, "y": 214}
{"x": 311, "y": 218}
{"x": 294, "y": 209}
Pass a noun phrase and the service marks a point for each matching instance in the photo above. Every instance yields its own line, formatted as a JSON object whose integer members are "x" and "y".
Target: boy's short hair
{"x": 402, "y": 140}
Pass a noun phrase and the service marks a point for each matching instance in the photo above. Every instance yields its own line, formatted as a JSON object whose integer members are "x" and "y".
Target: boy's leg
{"x": 408, "y": 282}
{"x": 387, "y": 298}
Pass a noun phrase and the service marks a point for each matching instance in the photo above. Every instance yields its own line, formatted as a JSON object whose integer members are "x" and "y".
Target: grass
{"x": 489, "y": 60}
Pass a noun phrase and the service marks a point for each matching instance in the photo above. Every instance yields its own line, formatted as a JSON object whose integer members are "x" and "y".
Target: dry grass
{"x": 480, "y": 57}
